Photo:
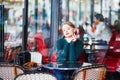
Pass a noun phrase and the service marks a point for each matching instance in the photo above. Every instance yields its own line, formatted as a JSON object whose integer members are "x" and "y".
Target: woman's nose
{"x": 65, "y": 31}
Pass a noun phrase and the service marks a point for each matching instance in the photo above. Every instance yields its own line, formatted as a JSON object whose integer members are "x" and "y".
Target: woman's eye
{"x": 68, "y": 29}
{"x": 64, "y": 30}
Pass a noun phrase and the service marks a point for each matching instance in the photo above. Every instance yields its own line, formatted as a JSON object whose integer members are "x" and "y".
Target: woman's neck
{"x": 68, "y": 39}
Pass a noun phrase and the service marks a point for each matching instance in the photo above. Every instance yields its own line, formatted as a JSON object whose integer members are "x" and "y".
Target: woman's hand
{"x": 74, "y": 38}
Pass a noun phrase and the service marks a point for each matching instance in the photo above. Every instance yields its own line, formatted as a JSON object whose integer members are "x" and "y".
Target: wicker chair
{"x": 11, "y": 53}
{"x": 10, "y": 71}
{"x": 28, "y": 56}
{"x": 36, "y": 57}
{"x": 36, "y": 76}
{"x": 91, "y": 72}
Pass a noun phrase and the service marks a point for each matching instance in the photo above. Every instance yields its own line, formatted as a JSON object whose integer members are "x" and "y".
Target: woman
{"x": 101, "y": 31}
{"x": 68, "y": 47}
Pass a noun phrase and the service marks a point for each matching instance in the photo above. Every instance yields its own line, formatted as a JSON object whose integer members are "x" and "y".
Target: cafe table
{"x": 94, "y": 46}
{"x": 67, "y": 66}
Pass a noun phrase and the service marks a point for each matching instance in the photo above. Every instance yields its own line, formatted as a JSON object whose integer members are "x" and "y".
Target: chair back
{"x": 36, "y": 76}
{"x": 42, "y": 47}
{"x": 115, "y": 41}
{"x": 54, "y": 57}
{"x": 36, "y": 57}
{"x": 12, "y": 52}
{"x": 22, "y": 57}
{"x": 28, "y": 56}
{"x": 9, "y": 72}
{"x": 91, "y": 72}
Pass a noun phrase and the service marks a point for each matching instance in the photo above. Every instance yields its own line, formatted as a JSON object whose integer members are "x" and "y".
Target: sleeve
{"x": 99, "y": 30}
{"x": 62, "y": 50}
{"x": 75, "y": 50}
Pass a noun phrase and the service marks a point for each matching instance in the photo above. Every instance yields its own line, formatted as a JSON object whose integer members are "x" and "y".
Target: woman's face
{"x": 96, "y": 21}
{"x": 67, "y": 30}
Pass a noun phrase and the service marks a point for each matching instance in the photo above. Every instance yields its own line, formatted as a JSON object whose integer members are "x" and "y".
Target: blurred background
{"x": 22, "y": 19}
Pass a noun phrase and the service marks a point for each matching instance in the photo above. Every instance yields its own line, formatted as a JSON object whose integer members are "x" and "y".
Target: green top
{"x": 68, "y": 51}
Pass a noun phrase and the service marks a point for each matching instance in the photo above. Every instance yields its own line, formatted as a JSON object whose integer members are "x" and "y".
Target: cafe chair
{"x": 42, "y": 47}
{"x": 112, "y": 56}
{"x": 10, "y": 55}
{"x": 10, "y": 71}
{"x": 90, "y": 72}
{"x": 36, "y": 76}
{"x": 54, "y": 57}
{"x": 36, "y": 57}
{"x": 28, "y": 56}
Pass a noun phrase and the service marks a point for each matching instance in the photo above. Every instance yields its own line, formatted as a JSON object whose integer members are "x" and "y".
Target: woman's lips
{"x": 67, "y": 33}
